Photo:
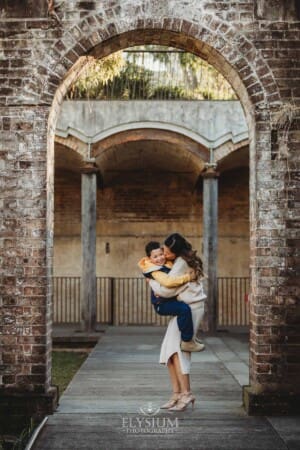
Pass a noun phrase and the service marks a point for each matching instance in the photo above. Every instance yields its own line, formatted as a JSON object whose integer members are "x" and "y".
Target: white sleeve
{"x": 180, "y": 267}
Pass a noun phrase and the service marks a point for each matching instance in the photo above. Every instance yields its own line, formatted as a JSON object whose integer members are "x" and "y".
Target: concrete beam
{"x": 209, "y": 123}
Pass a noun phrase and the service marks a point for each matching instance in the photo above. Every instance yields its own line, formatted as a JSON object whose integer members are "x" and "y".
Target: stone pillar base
{"x": 16, "y": 409}
{"x": 270, "y": 403}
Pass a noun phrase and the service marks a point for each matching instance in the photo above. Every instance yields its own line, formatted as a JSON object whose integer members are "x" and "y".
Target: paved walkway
{"x": 111, "y": 404}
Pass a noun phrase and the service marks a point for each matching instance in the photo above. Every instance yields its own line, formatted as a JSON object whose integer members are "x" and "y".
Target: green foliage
{"x": 64, "y": 366}
{"x": 96, "y": 74}
{"x": 19, "y": 442}
{"x": 170, "y": 93}
{"x": 201, "y": 80}
{"x": 25, "y": 436}
{"x": 151, "y": 72}
{"x": 134, "y": 82}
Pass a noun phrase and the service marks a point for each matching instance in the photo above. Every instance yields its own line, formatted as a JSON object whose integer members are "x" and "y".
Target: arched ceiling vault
{"x": 67, "y": 159}
{"x": 148, "y": 151}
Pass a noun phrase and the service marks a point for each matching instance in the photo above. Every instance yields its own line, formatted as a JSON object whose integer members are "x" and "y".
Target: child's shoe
{"x": 191, "y": 346}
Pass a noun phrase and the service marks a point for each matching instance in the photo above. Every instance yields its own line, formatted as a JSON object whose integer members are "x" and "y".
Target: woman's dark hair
{"x": 181, "y": 247}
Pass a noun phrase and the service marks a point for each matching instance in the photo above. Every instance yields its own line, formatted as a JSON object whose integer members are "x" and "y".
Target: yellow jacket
{"x": 147, "y": 267}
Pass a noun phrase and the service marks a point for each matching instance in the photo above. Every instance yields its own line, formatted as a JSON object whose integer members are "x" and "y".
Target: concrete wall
{"x": 209, "y": 122}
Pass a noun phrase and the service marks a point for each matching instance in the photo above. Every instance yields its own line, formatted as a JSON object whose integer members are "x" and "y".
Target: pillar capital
{"x": 89, "y": 167}
{"x": 210, "y": 171}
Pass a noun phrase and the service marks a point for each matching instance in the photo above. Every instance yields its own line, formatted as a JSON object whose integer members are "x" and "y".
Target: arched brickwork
{"x": 210, "y": 38}
{"x": 150, "y": 134}
{"x": 228, "y": 148}
{"x": 68, "y": 158}
{"x": 73, "y": 143}
{"x": 239, "y": 49}
{"x": 228, "y": 51}
{"x": 236, "y": 58}
{"x": 72, "y": 149}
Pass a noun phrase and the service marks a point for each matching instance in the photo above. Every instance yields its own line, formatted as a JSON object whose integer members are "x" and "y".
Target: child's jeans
{"x": 183, "y": 313}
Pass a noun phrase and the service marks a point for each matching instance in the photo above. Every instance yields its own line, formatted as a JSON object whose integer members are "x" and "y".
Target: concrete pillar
{"x": 88, "y": 242}
{"x": 210, "y": 243}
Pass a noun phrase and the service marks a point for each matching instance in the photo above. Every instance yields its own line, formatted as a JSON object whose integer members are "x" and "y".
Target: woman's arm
{"x": 170, "y": 281}
{"x": 180, "y": 267}
{"x": 165, "y": 292}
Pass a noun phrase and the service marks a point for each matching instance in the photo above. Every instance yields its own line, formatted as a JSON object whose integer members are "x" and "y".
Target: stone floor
{"x": 113, "y": 400}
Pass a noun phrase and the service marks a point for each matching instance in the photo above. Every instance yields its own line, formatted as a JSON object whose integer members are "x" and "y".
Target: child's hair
{"x": 152, "y": 245}
{"x": 181, "y": 247}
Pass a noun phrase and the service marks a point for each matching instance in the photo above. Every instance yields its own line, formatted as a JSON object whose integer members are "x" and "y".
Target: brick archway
{"x": 210, "y": 38}
{"x": 235, "y": 57}
{"x": 237, "y": 48}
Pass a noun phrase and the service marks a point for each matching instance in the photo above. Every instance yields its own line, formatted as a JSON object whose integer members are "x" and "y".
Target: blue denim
{"x": 183, "y": 313}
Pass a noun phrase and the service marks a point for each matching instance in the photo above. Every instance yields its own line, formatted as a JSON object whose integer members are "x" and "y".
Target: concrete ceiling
{"x": 238, "y": 158}
{"x": 67, "y": 159}
{"x": 148, "y": 156}
{"x": 123, "y": 160}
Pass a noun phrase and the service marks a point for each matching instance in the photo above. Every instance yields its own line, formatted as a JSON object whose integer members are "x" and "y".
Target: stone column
{"x": 210, "y": 243}
{"x": 88, "y": 243}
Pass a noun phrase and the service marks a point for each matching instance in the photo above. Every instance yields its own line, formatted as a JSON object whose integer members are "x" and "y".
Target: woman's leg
{"x": 175, "y": 385}
{"x": 183, "y": 379}
{"x": 186, "y": 397}
{"x": 173, "y": 375}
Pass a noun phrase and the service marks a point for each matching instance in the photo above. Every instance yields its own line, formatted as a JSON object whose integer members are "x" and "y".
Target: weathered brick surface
{"x": 256, "y": 47}
{"x": 23, "y": 233}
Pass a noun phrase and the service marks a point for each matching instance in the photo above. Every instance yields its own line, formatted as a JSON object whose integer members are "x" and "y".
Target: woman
{"x": 179, "y": 250}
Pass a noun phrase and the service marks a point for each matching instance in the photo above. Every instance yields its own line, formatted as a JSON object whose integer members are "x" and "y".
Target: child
{"x": 154, "y": 266}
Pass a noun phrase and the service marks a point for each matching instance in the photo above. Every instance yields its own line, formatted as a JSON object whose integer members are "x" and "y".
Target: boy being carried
{"x": 155, "y": 266}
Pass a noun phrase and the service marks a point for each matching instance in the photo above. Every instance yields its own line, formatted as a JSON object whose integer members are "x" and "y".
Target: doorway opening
{"x": 151, "y": 117}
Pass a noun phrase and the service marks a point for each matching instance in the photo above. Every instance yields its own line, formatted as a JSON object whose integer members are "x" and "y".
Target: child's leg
{"x": 183, "y": 313}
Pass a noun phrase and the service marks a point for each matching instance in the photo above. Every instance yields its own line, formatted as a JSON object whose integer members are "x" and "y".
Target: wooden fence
{"x": 126, "y": 301}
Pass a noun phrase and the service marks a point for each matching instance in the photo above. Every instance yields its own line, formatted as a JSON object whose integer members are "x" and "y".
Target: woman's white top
{"x": 188, "y": 293}
{"x": 191, "y": 293}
